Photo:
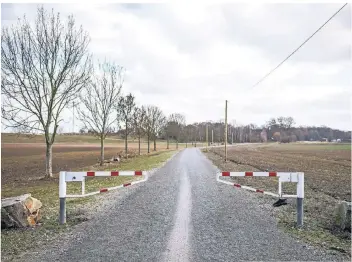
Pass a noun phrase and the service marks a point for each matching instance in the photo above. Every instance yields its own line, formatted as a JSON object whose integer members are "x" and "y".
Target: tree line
{"x": 46, "y": 66}
{"x": 281, "y": 129}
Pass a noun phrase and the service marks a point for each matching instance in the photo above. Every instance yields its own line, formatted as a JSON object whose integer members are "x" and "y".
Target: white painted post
{"x": 62, "y": 196}
{"x": 83, "y": 185}
{"x": 280, "y": 189}
{"x": 300, "y": 196}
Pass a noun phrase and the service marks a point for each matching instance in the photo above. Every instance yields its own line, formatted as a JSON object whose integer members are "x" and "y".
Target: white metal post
{"x": 62, "y": 196}
{"x": 83, "y": 185}
{"x": 300, "y": 196}
{"x": 280, "y": 188}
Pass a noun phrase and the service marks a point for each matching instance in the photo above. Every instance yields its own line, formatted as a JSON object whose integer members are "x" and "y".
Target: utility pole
{"x": 206, "y": 135}
{"x": 225, "y": 130}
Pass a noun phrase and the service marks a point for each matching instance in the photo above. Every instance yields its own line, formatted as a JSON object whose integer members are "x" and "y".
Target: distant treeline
{"x": 280, "y": 129}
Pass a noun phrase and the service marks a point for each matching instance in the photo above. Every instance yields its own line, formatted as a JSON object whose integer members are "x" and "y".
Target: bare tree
{"x": 188, "y": 133}
{"x": 43, "y": 68}
{"x": 147, "y": 124}
{"x": 125, "y": 110}
{"x": 152, "y": 124}
{"x": 176, "y": 123}
{"x": 167, "y": 133}
{"x": 139, "y": 115}
{"x": 159, "y": 125}
{"x": 99, "y": 100}
{"x": 289, "y": 122}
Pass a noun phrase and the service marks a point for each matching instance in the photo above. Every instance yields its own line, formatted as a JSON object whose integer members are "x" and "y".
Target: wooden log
{"x": 20, "y": 211}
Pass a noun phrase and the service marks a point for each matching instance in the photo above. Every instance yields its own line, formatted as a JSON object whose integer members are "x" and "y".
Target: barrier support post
{"x": 62, "y": 196}
{"x": 280, "y": 188}
{"x": 83, "y": 185}
{"x": 300, "y": 197}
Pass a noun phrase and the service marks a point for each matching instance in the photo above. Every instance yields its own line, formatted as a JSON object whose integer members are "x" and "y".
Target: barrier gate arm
{"x": 80, "y": 177}
{"x": 296, "y": 177}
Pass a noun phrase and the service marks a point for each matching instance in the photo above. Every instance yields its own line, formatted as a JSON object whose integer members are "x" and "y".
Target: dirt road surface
{"x": 181, "y": 214}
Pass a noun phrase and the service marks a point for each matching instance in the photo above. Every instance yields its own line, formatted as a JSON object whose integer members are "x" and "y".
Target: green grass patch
{"x": 322, "y": 146}
{"x": 14, "y": 242}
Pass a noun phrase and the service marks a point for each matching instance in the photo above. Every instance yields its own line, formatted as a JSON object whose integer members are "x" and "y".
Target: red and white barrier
{"x": 80, "y": 177}
{"x": 296, "y": 177}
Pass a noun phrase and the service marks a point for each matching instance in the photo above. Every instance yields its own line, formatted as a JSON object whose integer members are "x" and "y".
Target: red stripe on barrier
{"x": 128, "y": 184}
{"x": 225, "y": 173}
{"x": 103, "y": 190}
{"x": 90, "y": 173}
{"x": 259, "y": 191}
{"x": 138, "y": 173}
{"x": 248, "y": 173}
{"x": 237, "y": 185}
{"x": 272, "y": 174}
{"x": 114, "y": 173}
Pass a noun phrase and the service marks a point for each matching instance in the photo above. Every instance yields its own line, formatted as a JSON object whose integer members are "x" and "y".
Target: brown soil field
{"x": 327, "y": 168}
{"x": 25, "y": 162}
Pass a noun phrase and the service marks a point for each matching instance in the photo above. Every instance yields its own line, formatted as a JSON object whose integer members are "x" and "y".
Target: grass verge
{"x": 14, "y": 242}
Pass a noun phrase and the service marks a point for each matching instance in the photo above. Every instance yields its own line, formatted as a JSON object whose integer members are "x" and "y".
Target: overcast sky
{"x": 190, "y": 58}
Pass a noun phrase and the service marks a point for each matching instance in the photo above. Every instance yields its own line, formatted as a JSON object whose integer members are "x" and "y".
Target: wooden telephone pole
{"x": 212, "y": 136}
{"x": 225, "y": 131}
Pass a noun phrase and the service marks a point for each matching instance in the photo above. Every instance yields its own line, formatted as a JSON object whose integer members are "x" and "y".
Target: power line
{"x": 261, "y": 80}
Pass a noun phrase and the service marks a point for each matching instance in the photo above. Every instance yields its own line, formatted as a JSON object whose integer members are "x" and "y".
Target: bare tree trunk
{"x": 139, "y": 144}
{"x": 154, "y": 144}
{"x": 126, "y": 138}
{"x": 148, "y": 143}
{"x": 177, "y": 143}
{"x": 167, "y": 147}
{"x": 101, "y": 150}
{"x": 49, "y": 158}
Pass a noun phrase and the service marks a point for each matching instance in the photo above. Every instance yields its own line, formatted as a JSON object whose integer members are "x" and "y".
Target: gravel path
{"x": 181, "y": 214}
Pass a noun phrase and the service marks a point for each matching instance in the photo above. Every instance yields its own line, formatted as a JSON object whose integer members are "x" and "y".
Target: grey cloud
{"x": 300, "y": 22}
{"x": 156, "y": 79}
{"x": 333, "y": 110}
{"x": 7, "y": 12}
{"x": 310, "y": 77}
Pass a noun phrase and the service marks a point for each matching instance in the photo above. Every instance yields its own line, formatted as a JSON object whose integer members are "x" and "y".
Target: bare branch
{"x": 43, "y": 68}
{"x": 99, "y": 100}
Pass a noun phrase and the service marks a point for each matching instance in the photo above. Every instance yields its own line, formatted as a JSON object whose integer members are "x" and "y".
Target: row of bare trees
{"x": 46, "y": 66}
